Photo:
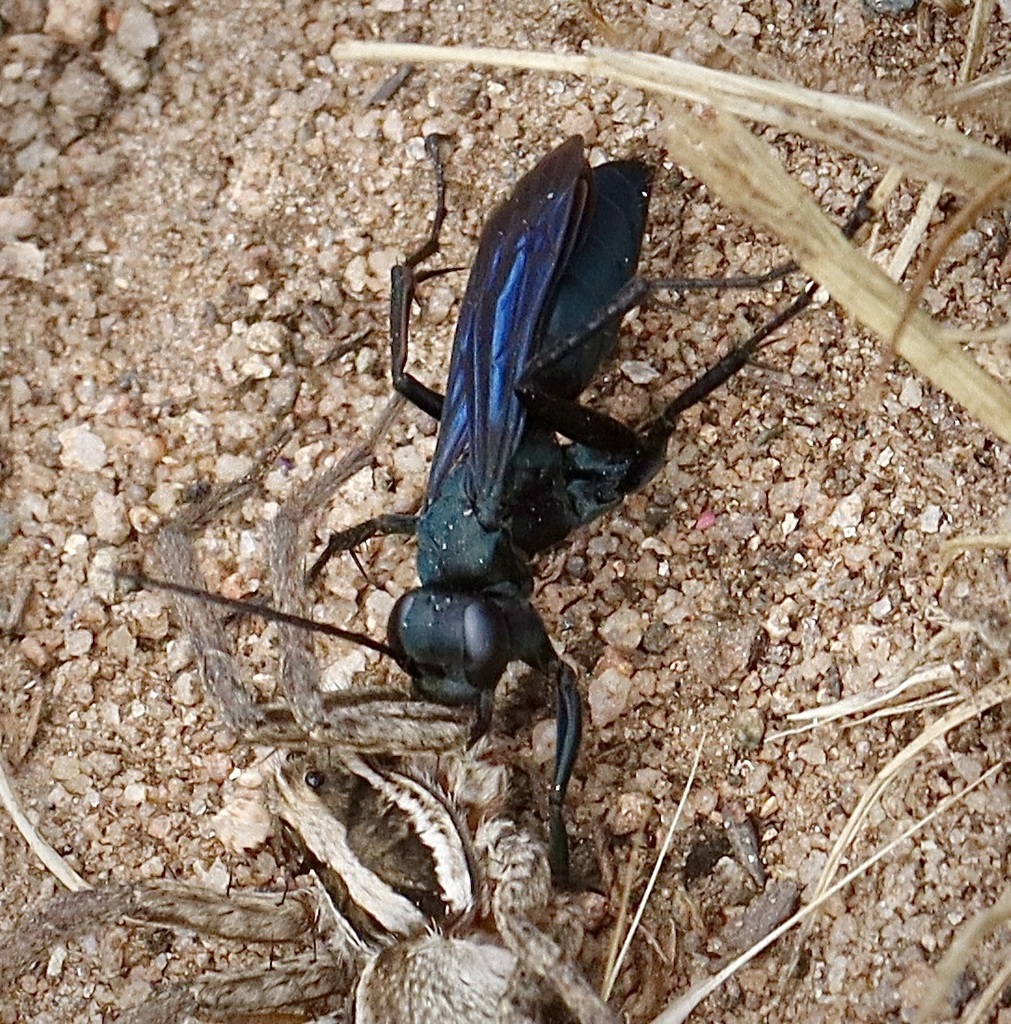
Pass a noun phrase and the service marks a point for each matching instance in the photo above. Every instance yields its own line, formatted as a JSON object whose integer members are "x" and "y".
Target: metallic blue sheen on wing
{"x": 523, "y": 245}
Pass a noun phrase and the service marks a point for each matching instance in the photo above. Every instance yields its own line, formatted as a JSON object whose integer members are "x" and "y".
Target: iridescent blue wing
{"x": 524, "y": 247}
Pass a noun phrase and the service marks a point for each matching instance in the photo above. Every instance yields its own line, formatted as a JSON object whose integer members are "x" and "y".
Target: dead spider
{"x": 430, "y": 907}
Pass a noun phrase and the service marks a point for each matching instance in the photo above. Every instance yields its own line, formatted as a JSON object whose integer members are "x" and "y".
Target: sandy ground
{"x": 206, "y": 209}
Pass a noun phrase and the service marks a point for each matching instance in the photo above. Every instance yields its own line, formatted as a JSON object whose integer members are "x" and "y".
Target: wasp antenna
{"x": 247, "y": 608}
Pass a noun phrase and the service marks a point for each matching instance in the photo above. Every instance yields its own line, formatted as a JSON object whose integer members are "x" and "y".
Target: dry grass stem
{"x": 746, "y": 174}
{"x": 973, "y": 706}
{"x": 982, "y": 15}
{"x": 52, "y": 861}
{"x": 963, "y": 947}
{"x": 615, "y": 970}
{"x": 629, "y": 876}
{"x": 961, "y": 222}
{"x": 681, "y": 1008}
{"x": 950, "y": 548}
{"x": 878, "y": 697}
{"x": 923, "y": 148}
{"x": 915, "y": 232}
{"x": 990, "y": 995}
{"x": 984, "y": 99}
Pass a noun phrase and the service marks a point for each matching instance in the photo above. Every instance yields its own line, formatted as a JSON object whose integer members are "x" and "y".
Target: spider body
{"x": 429, "y": 905}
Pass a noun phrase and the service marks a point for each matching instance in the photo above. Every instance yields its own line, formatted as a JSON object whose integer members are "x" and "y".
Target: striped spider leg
{"x": 430, "y": 906}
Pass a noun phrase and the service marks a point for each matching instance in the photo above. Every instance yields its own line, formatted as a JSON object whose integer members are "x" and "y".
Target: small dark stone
{"x": 881, "y": 7}
{"x": 657, "y": 637}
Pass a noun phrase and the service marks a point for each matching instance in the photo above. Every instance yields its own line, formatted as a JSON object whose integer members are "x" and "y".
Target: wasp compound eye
{"x": 485, "y": 643}
{"x": 396, "y": 626}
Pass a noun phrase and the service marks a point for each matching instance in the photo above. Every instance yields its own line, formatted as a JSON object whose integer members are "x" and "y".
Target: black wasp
{"x": 553, "y": 275}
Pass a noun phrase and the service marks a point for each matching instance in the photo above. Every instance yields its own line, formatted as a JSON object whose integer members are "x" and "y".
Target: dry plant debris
{"x": 213, "y": 198}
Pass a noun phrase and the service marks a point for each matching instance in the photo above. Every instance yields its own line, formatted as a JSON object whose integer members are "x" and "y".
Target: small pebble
{"x": 137, "y": 32}
{"x": 78, "y": 642}
{"x": 848, "y": 513}
{"x": 142, "y": 519}
{"x": 217, "y": 877}
{"x": 911, "y": 395}
{"x": 543, "y": 740}
{"x": 81, "y": 449}
{"x": 68, "y": 771}
{"x": 381, "y": 263}
{"x": 267, "y": 337}
{"x": 34, "y": 652}
{"x": 164, "y": 498}
{"x": 725, "y": 16}
{"x": 16, "y": 219}
{"x": 56, "y": 960}
{"x": 63, "y": 767}
{"x": 151, "y": 617}
{"x": 127, "y": 72}
{"x": 153, "y": 867}
{"x": 229, "y": 468}
{"x": 135, "y": 794}
{"x": 630, "y": 814}
{"x": 242, "y": 824}
{"x": 23, "y": 15}
{"x": 340, "y": 673}
{"x": 378, "y": 606}
{"x": 77, "y": 22}
{"x": 748, "y": 25}
{"x": 623, "y": 628}
{"x": 393, "y": 126}
{"x": 151, "y": 449}
{"x": 159, "y": 827}
{"x": 639, "y": 372}
{"x": 255, "y": 368}
{"x": 80, "y": 91}
{"x": 109, "y": 511}
{"x": 778, "y": 622}
{"x": 812, "y": 754}
{"x": 930, "y": 519}
{"x": 35, "y": 155}
{"x": 19, "y": 391}
{"x": 178, "y": 655}
{"x": 121, "y": 644}
{"x": 355, "y": 273}
{"x": 749, "y": 729}
{"x": 22, "y": 260}
{"x": 607, "y": 695}
{"x": 184, "y": 690}
{"x": 75, "y": 547}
